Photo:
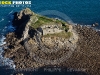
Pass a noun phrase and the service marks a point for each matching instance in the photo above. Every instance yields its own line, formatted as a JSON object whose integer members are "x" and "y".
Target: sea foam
{"x": 4, "y": 61}
{"x": 9, "y": 28}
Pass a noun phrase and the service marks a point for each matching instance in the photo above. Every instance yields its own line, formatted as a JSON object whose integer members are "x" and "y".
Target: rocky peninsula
{"x": 40, "y": 41}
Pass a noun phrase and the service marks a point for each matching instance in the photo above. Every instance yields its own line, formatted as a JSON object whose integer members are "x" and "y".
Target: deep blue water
{"x": 75, "y": 11}
{"x": 79, "y": 11}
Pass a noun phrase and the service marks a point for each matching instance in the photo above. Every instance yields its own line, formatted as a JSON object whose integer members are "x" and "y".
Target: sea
{"x": 84, "y": 12}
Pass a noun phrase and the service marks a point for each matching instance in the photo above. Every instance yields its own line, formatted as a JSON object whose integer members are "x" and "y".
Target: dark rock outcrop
{"x": 20, "y": 20}
{"x": 87, "y": 53}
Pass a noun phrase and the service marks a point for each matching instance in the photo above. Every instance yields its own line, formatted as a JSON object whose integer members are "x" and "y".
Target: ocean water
{"x": 85, "y": 12}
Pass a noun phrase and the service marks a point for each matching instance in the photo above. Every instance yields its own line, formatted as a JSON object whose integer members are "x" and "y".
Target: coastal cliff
{"x": 40, "y": 36}
{"x": 39, "y": 41}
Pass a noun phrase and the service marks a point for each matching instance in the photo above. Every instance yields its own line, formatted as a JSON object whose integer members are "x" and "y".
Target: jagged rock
{"x": 24, "y": 12}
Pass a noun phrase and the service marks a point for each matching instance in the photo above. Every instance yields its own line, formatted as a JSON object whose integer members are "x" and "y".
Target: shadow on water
{"x": 42, "y": 71}
{"x": 4, "y": 70}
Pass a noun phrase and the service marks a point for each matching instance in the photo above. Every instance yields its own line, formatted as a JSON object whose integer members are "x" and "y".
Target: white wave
{"x": 10, "y": 15}
{"x": 5, "y": 61}
{"x": 4, "y": 30}
{"x": 9, "y": 21}
{"x": 1, "y": 50}
{"x": 5, "y": 27}
{"x": 71, "y": 22}
{"x": 2, "y": 20}
{"x": 10, "y": 12}
{"x": 2, "y": 40}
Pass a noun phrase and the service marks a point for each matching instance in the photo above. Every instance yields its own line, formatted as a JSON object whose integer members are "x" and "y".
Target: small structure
{"x": 50, "y": 29}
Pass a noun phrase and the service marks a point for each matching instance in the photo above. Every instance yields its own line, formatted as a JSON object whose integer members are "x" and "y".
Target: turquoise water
{"x": 76, "y": 11}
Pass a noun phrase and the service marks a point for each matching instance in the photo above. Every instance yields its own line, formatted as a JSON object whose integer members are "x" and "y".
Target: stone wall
{"x": 51, "y": 29}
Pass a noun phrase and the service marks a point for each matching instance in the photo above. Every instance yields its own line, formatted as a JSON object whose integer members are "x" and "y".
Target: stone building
{"x": 51, "y": 29}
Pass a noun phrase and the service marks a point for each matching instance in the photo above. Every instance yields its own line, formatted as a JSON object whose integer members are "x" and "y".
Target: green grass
{"x": 41, "y": 21}
{"x": 45, "y": 19}
{"x": 65, "y": 25}
{"x": 62, "y": 34}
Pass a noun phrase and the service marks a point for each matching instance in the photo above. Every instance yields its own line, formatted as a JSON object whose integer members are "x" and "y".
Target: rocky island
{"x": 40, "y": 41}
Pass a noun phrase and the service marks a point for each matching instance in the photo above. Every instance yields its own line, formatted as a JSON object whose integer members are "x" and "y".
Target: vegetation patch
{"x": 62, "y": 34}
{"x": 42, "y": 20}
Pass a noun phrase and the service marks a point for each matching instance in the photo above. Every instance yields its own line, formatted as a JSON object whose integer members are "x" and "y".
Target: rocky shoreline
{"x": 29, "y": 48}
{"x": 87, "y": 53}
{"x": 28, "y": 44}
